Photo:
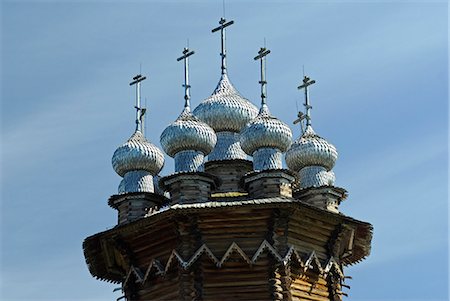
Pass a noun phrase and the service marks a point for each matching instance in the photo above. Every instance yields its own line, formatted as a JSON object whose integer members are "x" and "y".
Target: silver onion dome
{"x": 265, "y": 131}
{"x": 137, "y": 154}
{"x": 226, "y": 109}
{"x": 188, "y": 133}
{"x": 311, "y": 150}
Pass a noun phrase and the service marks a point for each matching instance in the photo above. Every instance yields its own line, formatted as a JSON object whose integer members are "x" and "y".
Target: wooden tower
{"x": 228, "y": 228}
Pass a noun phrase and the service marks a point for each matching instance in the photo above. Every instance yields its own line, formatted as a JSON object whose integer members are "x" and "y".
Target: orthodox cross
{"x": 262, "y": 57}
{"x": 306, "y": 82}
{"x": 300, "y": 116}
{"x": 223, "y": 53}
{"x": 185, "y": 57}
{"x": 139, "y": 111}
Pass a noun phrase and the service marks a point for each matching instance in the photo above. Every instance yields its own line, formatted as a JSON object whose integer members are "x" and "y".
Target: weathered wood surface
{"x": 230, "y": 173}
{"x": 237, "y": 278}
{"x": 234, "y": 273}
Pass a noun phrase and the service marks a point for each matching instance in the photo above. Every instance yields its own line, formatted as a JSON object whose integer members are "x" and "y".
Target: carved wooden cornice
{"x": 306, "y": 262}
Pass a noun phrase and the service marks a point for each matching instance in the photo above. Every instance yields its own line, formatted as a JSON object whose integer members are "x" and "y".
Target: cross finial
{"x": 186, "y": 54}
{"x": 306, "y": 82}
{"x": 139, "y": 111}
{"x": 262, "y": 53}
{"x": 300, "y": 116}
{"x": 223, "y": 53}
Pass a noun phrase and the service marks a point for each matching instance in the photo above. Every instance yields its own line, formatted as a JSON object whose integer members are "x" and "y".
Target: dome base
{"x": 315, "y": 176}
{"x": 267, "y": 158}
{"x": 189, "y": 161}
{"x": 136, "y": 181}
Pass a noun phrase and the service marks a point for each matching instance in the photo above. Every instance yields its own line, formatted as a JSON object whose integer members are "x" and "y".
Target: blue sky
{"x": 381, "y": 98}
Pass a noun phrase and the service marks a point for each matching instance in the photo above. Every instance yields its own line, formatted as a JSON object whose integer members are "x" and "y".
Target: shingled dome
{"x": 265, "y": 131}
{"x": 187, "y": 132}
{"x": 137, "y": 154}
{"x": 311, "y": 150}
{"x": 226, "y": 109}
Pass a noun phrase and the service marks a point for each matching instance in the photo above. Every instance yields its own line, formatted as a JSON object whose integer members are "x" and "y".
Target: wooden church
{"x": 230, "y": 223}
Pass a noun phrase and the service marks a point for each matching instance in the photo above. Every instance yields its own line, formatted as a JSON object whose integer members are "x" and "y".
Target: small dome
{"x": 226, "y": 109}
{"x": 311, "y": 150}
{"x": 188, "y": 133}
{"x": 265, "y": 131}
{"x": 137, "y": 154}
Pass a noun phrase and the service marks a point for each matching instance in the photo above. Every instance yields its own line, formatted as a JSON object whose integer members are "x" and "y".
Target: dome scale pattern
{"x": 265, "y": 131}
{"x": 137, "y": 154}
{"x": 188, "y": 133}
{"x": 226, "y": 109}
{"x": 311, "y": 150}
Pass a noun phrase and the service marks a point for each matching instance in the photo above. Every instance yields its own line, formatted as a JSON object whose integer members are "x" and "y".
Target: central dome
{"x": 226, "y": 109}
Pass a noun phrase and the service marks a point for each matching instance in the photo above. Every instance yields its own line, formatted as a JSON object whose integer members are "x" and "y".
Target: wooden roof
{"x": 158, "y": 226}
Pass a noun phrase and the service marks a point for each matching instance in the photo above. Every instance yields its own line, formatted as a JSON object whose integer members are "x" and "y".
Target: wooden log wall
{"x": 190, "y": 191}
{"x": 281, "y": 274}
{"x": 269, "y": 187}
{"x": 159, "y": 288}
{"x": 189, "y": 240}
{"x": 130, "y": 210}
{"x": 230, "y": 172}
{"x": 235, "y": 280}
{"x": 238, "y": 271}
{"x": 148, "y": 244}
{"x": 309, "y": 286}
{"x": 307, "y": 233}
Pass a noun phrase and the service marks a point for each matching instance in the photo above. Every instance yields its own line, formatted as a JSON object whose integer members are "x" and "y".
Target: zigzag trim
{"x": 292, "y": 256}
{"x": 234, "y": 248}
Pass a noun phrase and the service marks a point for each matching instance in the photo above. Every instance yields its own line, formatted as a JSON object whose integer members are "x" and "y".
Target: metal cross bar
{"x": 223, "y": 23}
{"x": 307, "y": 82}
{"x": 262, "y": 53}
{"x": 138, "y": 78}
{"x": 300, "y": 116}
{"x": 185, "y": 57}
{"x": 223, "y": 53}
{"x": 262, "y": 57}
{"x": 139, "y": 111}
{"x": 186, "y": 53}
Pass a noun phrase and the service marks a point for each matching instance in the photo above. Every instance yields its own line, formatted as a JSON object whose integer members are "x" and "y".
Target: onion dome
{"x": 137, "y": 161}
{"x": 311, "y": 150}
{"x": 188, "y": 133}
{"x": 265, "y": 137}
{"x": 226, "y": 109}
{"x": 188, "y": 139}
{"x": 265, "y": 131}
{"x": 137, "y": 154}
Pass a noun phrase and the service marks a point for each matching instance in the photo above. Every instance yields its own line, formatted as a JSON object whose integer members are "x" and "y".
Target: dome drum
{"x": 266, "y": 159}
{"x": 226, "y": 110}
{"x": 189, "y": 161}
{"x": 227, "y": 147}
{"x": 315, "y": 176}
{"x": 136, "y": 181}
